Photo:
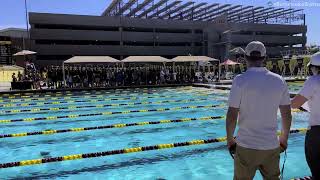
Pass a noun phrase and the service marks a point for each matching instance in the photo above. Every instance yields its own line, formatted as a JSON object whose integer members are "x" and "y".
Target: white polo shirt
{"x": 311, "y": 91}
{"x": 258, "y": 93}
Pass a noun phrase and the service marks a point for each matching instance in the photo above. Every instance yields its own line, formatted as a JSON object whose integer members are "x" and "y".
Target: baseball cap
{"x": 315, "y": 59}
{"x": 256, "y": 46}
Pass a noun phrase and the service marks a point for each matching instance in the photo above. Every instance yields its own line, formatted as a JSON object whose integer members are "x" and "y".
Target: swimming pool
{"x": 295, "y": 87}
{"x": 63, "y": 124}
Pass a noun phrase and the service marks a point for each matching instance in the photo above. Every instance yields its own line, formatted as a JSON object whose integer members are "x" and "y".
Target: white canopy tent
{"x": 90, "y": 59}
{"x": 146, "y": 59}
{"x": 87, "y": 60}
{"x": 193, "y": 59}
{"x": 24, "y": 53}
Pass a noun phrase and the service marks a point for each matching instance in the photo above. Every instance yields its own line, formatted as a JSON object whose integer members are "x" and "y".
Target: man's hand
{"x": 286, "y": 124}
{"x": 231, "y": 142}
{"x": 231, "y": 121}
{"x": 283, "y": 140}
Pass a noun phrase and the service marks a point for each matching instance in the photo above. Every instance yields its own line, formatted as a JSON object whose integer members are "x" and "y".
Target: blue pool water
{"x": 191, "y": 162}
{"x": 295, "y": 87}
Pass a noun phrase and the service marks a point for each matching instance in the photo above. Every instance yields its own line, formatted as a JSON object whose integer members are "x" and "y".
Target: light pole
{"x": 227, "y": 43}
{"x": 27, "y": 23}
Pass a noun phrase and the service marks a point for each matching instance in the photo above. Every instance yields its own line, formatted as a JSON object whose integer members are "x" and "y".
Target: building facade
{"x": 57, "y": 37}
{"x": 12, "y": 40}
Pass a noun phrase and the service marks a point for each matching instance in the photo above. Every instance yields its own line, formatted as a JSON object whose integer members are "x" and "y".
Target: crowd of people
{"x": 102, "y": 76}
{"x": 52, "y": 77}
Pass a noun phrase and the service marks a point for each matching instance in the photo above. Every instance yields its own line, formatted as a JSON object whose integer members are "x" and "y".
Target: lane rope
{"x": 5, "y": 95}
{"x": 69, "y": 102}
{"x": 59, "y": 94}
{"x": 121, "y": 151}
{"x": 101, "y": 106}
{"x": 94, "y": 99}
{"x": 303, "y": 178}
{"x": 76, "y": 95}
{"x": 99, "y": 97}
{"x": 108, "y": 113}
{"x": 111, "y": 113}
{"x": 81, "y": 129}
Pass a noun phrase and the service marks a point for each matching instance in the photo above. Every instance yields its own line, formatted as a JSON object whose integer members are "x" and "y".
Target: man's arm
{"x": 298, "y": 101}
{"x": 286, "y": 124}
{"x": 231, "y": 122}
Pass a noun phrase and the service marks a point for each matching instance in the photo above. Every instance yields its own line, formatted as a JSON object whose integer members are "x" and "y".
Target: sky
{"x": 13, "y": 13}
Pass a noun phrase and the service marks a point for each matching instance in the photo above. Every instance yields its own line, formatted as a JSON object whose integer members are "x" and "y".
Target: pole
{"x": 219, "y": 73}
{"x": 27, "y": 22}
{"x": 64, "y": 75}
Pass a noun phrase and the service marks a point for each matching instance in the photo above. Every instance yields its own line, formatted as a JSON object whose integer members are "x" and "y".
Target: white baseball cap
{"x": 315, "y": 59}
{"x": 256, "y": 46}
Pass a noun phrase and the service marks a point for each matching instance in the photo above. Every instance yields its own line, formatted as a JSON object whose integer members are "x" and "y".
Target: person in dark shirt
{"x": 14, "y": 79}
{"x": 20, "y": 76}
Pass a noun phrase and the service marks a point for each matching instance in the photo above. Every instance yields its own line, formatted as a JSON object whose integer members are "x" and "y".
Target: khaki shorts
{"x": 248, "y": 161}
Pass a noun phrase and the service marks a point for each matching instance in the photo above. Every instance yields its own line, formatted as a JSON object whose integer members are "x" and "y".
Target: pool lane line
{"x": 122, "y": 151}
{"x": 303, "y": 178}
{"x": 93, "y": 100}
{"x": 69, "y": 102}
{"x": 118, "y": 93}
{"x": 80, "y": 93}
{"x": 86, "y": 97}
{"x": 15, "y": 111}
{"x": 74, "y": 94}
{"x": 71, "y": 96}
{"x": 97, "y": 90}
{"x": 100, "y": 97}
{"x": 81, "y": 129}
{"x": 6, "y": 95}
{"x": 50, "y": 118}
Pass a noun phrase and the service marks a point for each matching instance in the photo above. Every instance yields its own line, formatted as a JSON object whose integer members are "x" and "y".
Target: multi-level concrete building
{"x": 166, "y": 28}
{"x": 12, "y": 40}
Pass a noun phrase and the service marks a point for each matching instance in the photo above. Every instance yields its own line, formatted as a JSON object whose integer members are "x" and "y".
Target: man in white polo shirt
{"x": 256, "y": 97}
{"x": 309, "y": 98}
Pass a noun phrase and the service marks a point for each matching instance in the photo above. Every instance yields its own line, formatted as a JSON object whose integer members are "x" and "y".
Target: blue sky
{"x": 12, "y": 11}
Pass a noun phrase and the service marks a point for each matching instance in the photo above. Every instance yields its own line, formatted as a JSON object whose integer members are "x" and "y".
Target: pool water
{"x": 205, "y": 161}
{"x": 295, "y": 87}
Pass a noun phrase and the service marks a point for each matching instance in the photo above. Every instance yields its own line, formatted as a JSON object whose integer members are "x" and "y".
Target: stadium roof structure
{"x": 201, "y": 11}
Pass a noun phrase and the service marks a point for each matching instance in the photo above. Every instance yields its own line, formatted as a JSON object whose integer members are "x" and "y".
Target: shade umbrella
{"x": 24, "y": 53}
{"x": 226, "y": 62}
{"x": 229, "y": 62}
{"x": 237, "y": 50}
{"x": 193, "y": 59}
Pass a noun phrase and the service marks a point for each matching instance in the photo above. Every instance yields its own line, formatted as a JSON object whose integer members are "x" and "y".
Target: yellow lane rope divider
{"x": 93, "y": 100}
{"x": 108, "y": 113}
{"x": 101, "y": 105}
{"x": 77, "y": 94}
{"x": 59, "y": 94}
{"x": 80, "y": 95}
{"x": 99, "y": 97}
{"x": 92, "y": 91}
{"x": 6, "y": 95}
{"x": 81, "y": 129}
{"x": 303, "y": 178}
{"x": 88, "y": 99}
{"x": 120, "y": 151}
